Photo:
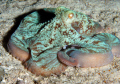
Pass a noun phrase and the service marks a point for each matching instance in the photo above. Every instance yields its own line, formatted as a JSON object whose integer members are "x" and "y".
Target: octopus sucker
{"x": 50, "y": 39}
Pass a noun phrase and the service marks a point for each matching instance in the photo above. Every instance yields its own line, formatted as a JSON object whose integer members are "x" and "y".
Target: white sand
{"x": 106, "y": 12}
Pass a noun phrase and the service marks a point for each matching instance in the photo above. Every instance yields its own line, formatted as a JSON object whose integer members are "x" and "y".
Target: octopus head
{"x": 82, "y": 23}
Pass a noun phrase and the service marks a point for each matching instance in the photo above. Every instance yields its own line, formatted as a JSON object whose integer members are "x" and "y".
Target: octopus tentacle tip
{"x": 17, "y": 52}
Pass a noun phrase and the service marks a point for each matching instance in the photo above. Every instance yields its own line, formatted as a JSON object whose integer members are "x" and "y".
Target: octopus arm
{"x": 20, "y": 39}
{"x": 112, "y": 40}
{"x": 46, "y": 41}
{"x": 28, "y": 27}
{"x": 70, "y": 61}
{"x": 92, "y": 59}
{"x": 92, "y": 51}
{"x": 88, "y": 44}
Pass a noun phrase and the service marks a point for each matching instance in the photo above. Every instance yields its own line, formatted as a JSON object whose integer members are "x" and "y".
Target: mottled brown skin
{"x": 39, "y": 45}
{"x": 80, "y": 59}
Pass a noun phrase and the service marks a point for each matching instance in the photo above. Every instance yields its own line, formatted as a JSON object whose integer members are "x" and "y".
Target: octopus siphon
{"x": 48, "y": 45}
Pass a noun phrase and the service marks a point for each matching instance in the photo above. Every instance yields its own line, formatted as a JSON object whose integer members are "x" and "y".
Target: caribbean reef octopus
{"x": 70, "y": 38}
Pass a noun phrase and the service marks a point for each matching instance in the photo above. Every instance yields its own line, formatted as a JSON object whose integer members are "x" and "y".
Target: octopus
{"x": 48, "y": 45}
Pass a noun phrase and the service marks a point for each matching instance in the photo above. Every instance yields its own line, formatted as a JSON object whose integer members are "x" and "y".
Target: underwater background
{"x": 105, "y": 12}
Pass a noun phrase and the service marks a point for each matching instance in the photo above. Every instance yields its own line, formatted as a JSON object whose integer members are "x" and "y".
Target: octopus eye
{"x": 70, "y": 15}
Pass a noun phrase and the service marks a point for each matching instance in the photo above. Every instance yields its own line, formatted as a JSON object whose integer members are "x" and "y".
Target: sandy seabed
{"x": 106, "y": 12}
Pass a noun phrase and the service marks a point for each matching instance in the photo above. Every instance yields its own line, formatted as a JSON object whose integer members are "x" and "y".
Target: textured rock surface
{"x": 105, "y": 12}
